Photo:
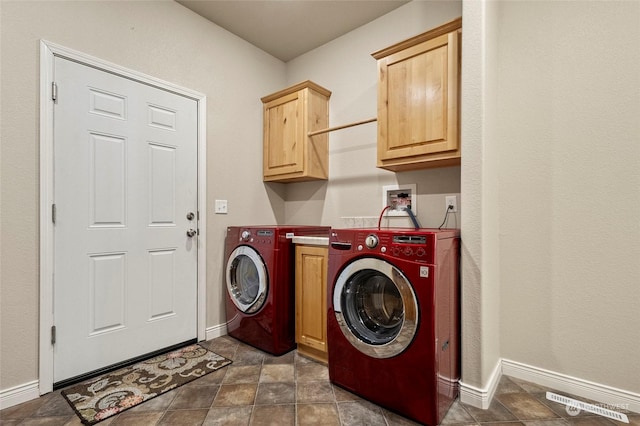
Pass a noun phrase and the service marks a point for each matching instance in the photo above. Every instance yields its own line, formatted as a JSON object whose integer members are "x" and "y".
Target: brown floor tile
{"x": 277, "y": 373}
{"x": 242, "y": 374}
{"x": 634, "y": 420}
{"x": 506, "y": 385}
{"x": 45, "y": 421}
{"x": 235, "y": 394}
{"x": 228, "y": 416}
{"x": 129, "y": 418}
{"x": 245, "y": 355}
{"x": 516, "y": 423}
{"x": 525, "y": 406}
{"x": 457, "y": 415}
{"x": 276, "y": 393}
{"x": 288, "y": 358}
{"x": 273, "y": 415}
{"x": 308, "y": 392}
{"x": 343, "y": 395}
{"x": 183, "y": 418}
{"x": 352, "y": 413}
{"x": 551, "y": 422}
{"x": 22, "y": 411}
{"x": 318, "y": 414}
{"x": 225, "y": 346}
{"x": 311, "y": 372}
{"x": 495, "y": 413}
{"x": 589, "y": 421}
{"x": 194, "y": 397}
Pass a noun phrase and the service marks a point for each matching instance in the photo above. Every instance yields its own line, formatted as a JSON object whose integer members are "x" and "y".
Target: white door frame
{"x": 48, "y": 51}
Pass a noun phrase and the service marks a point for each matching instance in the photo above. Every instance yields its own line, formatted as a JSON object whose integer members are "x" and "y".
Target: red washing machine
{"x": 393, "y": 322}
{"x": 260, "y": 281}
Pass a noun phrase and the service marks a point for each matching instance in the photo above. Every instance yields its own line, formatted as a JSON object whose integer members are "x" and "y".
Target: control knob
{"x": 245, "y": 235}
{"x": 371, "y": 241}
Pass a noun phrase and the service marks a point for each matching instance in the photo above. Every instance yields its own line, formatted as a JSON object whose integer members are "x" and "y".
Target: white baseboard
{"x": 19, "y": 394}
{"x": 572, "y": 385}
{"x": 216, "y": 331}
{"x": 481, "y": 398}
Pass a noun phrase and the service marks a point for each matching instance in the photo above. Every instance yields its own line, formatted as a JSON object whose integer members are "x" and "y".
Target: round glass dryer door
{"x": 247, "y": 280}
{"x": 376, "y": 307}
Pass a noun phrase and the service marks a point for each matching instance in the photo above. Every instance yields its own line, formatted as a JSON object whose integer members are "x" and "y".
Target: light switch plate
{"x": 221, "y": 207}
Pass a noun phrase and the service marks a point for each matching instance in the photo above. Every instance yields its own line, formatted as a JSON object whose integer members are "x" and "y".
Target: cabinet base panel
{"x": 415, "y": 165}
{"x": 314, "y": 354}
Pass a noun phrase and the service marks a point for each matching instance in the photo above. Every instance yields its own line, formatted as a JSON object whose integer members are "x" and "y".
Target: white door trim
{"x": 48, "y": 51}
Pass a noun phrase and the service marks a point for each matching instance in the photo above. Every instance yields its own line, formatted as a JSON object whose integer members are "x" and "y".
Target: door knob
{"x": 191, "y": 232}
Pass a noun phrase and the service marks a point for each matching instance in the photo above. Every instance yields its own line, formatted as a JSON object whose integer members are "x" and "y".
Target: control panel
{"x": 416, "y": 247}
{"x": 260, "y": 236}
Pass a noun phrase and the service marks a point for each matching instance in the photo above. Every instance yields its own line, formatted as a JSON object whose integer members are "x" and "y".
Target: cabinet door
{"x": 418, "y": 100}
{"x": 284, "y": 135}
{"x": 311, "y": 297}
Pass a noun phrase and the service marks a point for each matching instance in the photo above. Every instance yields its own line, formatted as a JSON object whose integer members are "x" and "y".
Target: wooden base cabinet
{"x": 289, "y": 154}
{"x": 311, "y": 301}
{"x": 418, "y": 100}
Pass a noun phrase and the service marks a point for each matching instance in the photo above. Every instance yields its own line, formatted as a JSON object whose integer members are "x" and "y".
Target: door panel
{"x": 125, "y": 178}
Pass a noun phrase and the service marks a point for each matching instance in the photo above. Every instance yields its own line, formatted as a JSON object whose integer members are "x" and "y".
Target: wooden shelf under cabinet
{"x": 311, "y": 301}
{"x": 289, "y": 154}
{"x": 418, "y": 100}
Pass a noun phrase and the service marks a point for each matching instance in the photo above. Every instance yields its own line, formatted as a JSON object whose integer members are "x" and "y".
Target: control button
{"x": 383, "y": 249}
{"x": 371, "y": 241}
{"x": 360, "y": 247}
{"x": 408, "y": 251}
{"x": 421, "y": 252}
{"x": 395, "y": 251}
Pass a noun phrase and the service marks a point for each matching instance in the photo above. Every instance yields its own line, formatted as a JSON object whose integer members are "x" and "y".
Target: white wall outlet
{"x": 451, "y": 203}
{"x": 221, "y": 207}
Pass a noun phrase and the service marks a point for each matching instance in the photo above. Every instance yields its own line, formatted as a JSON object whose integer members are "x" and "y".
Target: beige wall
{"x": 568, "y": 139}
{"x": 164, "y": 40}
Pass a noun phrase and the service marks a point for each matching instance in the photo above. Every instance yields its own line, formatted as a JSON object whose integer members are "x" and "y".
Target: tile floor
{"x": 260, "y": 389}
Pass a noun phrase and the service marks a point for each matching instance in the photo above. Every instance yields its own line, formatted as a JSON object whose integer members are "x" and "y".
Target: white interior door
{"x": 125, "y": 181}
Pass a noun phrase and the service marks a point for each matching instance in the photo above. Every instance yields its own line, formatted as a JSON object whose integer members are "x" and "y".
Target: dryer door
{"x": 376, "y": 307}
{"x": 247, "y": 279}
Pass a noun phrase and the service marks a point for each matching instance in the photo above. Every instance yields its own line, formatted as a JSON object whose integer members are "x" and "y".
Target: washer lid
{"x": 247, "y": 279}
{"x": 376, "y": 307}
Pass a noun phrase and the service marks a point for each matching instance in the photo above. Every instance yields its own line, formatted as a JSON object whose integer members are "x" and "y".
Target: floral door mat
{"x": 110, "y": 394}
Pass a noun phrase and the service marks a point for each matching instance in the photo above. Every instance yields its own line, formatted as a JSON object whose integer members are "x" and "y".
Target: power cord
{"x": 446, "y": 216}
{"x": 382, "y": 213}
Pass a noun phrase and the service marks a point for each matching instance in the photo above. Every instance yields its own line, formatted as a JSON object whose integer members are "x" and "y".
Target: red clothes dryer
{"x": 393, "y": 320}
{"x": 260, "y": 282}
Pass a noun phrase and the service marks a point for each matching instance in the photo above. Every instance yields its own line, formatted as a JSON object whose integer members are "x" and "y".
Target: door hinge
{"x": 53, "y": 334}
{"x": 54, "y": 91}
{"x": 53, "y": 213}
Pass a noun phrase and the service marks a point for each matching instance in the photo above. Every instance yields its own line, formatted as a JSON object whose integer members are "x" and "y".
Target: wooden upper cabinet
{"x": 289, "y": 115}
{"x": 418, "y": 100}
